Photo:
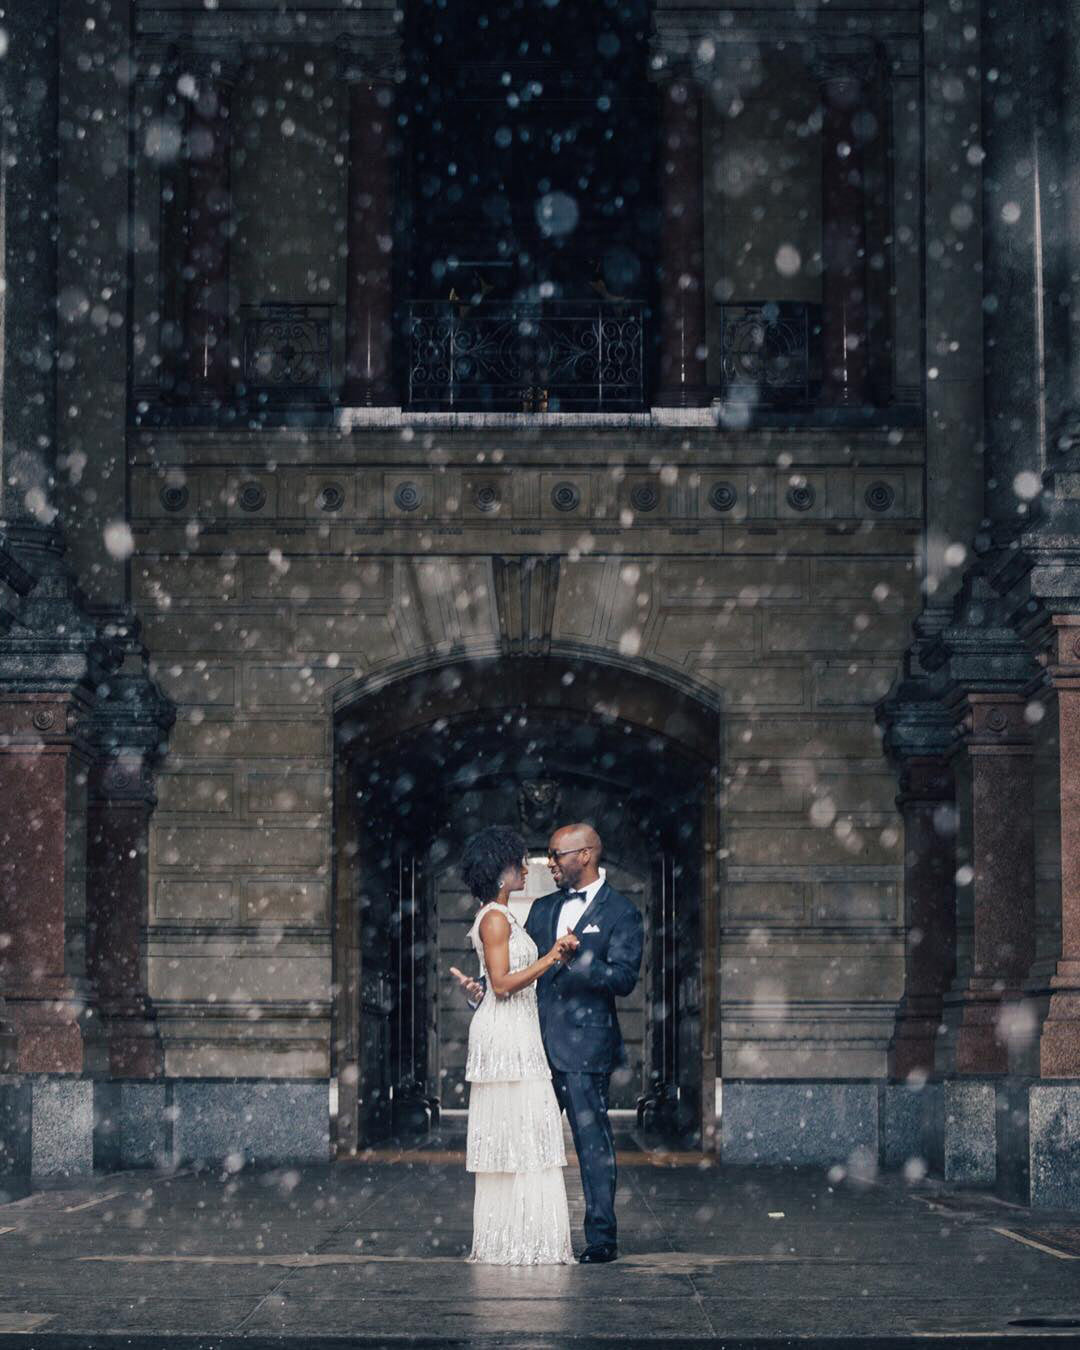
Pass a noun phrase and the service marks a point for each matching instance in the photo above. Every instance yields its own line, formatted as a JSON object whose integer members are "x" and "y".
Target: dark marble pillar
{"x": 994, "y": 773}
{"x": 28, "y": 231}
{"x": 44, "y": 757}
{"x": 1067, "y": 439}
{"x": 926, "y": 802}
{"x": 845, "y": 330}
{"x": 683, "y": 340}
{"x": 118, "y": 828}
{"x": 131, "y": 723}
{"x": 1059, "y": 1049}
{"x": 369, "y": 298}
{"x": 204, "y": 377}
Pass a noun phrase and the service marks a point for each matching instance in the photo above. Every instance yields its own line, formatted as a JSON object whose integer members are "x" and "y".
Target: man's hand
{"x": 567, "y": 945}
{"x": 474, "y": 990}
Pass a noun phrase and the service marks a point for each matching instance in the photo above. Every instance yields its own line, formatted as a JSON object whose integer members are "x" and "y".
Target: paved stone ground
{"x": 369, "y": 1253}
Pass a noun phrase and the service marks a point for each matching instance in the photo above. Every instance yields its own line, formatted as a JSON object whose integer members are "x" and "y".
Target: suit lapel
{"x": 591, "y": 911}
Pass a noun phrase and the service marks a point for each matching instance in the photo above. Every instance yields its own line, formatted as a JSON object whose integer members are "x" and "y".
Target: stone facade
{"x": 268, "y": 651}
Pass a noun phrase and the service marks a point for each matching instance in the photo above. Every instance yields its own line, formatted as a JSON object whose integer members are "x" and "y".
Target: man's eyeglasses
{"x": 554, "y": 854}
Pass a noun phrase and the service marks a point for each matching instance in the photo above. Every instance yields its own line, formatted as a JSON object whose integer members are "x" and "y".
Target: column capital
{"x": 992, "y": 722}
{"x": 917, "y": 727}
{"x": 131, "y": 721}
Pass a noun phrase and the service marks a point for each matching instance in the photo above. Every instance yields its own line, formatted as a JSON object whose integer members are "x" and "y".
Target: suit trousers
{"x": 584, "y": 1098}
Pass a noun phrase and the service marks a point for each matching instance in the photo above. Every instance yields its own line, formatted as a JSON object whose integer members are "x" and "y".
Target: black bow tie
{"x": 574, "y": 895}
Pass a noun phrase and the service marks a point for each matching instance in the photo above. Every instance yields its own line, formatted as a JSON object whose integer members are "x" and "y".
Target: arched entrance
{"x": 529, "y": 742}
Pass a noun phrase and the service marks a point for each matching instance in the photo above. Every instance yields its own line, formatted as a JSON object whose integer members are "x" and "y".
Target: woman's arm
{"x": 495, "y": 935}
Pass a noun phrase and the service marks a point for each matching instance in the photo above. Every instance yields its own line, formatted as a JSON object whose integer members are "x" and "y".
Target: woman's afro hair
{"x": 486, "y": 856}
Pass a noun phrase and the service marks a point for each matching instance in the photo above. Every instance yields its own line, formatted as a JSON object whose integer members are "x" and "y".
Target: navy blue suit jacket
{"x": 577, "y": 1000}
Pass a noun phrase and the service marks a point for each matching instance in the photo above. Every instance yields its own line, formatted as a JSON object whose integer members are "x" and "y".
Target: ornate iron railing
{"x": 564, "y": 356}
{"x": 771, "y": 352}
{"x": 287, "y": 353}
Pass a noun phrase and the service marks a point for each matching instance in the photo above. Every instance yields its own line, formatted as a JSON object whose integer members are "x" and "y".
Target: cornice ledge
{"x": 298, "y": 26}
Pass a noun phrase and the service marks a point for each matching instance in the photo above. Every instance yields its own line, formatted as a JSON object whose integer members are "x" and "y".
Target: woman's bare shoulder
{"x": 494, "y": 925}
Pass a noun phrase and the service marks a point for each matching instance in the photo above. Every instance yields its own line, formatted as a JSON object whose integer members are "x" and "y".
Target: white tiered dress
{"x": 515, "y": 1139}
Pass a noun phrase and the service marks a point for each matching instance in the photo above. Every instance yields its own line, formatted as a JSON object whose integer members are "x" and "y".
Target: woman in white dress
{"x": 515, "y": 1140}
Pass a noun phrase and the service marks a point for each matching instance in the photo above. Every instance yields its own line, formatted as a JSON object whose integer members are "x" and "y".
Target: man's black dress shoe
{"x": 597, "y": 1255}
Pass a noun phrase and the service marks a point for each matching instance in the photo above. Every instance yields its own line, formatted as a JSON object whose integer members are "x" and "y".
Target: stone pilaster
{"x": 1059, "y": 1049}
{"x": 368, "y": 70}
{"x": 918, "y": 735}
{"x": 981, "y": 670}
{"x": 131, "y": 721}
{"x": 843, "y": 73}
{"x": 683, "y": 339}
{"x": 205, "y": 377}
{"x": 994, "y": 770}
{"x": 1067, "y": 439}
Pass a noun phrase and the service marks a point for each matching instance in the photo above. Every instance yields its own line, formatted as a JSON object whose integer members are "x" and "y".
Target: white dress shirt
{"x": 572, "y": 910}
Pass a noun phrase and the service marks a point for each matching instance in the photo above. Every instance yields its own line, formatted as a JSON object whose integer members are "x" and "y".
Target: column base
{"x": 812, "y": 1122}
{"x": 1059, "y": 1044}
{"x": 369, "y": 396}
{"x": 969, "y": 1133}
{"x": 135, "y": 1049}
{"x": 979, "y": 1047}
{"x": 250, "y": 1122}
{"x": 15, "y": 1143}
{"x": 700, "y": 397}
{"x": 904, "y": 1111}
{"x": 911, "y": 1052}
{"x": 1054, "y": 1126}
{"x": 54, "y": 1031}
{"x": 9, "y": 1048}
{"x": 62, "y": 1127}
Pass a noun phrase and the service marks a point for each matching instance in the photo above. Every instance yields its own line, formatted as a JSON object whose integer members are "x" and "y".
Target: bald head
{"x": 575, "y": 852}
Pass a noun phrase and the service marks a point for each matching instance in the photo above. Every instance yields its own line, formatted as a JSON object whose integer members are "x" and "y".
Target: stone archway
{"x": 637, "y": 736}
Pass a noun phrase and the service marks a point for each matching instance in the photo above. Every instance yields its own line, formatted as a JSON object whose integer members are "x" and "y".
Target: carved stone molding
{"x": 539, "y": 801}
{"x": 525, "y": 593}
{"x": 267, "y": 26}
{"x": 131, "y": 720}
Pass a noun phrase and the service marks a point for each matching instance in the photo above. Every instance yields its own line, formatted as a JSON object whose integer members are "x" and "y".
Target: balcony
{"x": 509, "y": 363}
{"x": 570, "y": 356}
{"x": 286, "y": 356}
{"x": 771, "y": 354}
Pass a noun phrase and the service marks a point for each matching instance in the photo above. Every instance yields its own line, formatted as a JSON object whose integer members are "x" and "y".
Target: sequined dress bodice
{"x": 505, "y": 1044}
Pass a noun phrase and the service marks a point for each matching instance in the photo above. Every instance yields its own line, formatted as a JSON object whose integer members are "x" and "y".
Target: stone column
{"x": 926, "y": 802}
{"x": 843, "y": 76}
{"x": 1059, "y": 1049}
{"x": 1068, "y": 432}
{"x": 28, "y": 215}
{"x": 205, "y": 368}
{"x": 44, "y": 757}
{"x": 369, "y": 297}
{"x": 683, "y": 339}
{"x": 994, "y": 771}
{"x": 131, "y": 724}
{"x": 50, "y": 657}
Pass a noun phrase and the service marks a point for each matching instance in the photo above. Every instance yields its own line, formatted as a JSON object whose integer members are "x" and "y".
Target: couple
{"x": 544, "y": 1038}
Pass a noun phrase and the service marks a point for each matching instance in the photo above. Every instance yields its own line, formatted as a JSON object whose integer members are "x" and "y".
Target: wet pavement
{"x": 370, "y": 1252}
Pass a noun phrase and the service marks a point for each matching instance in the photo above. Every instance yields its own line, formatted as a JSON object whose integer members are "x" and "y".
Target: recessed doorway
{"x": 409, "y": 793}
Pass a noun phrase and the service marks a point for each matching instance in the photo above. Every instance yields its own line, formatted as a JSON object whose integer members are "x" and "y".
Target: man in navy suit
{"x": 578, "y": 1021}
